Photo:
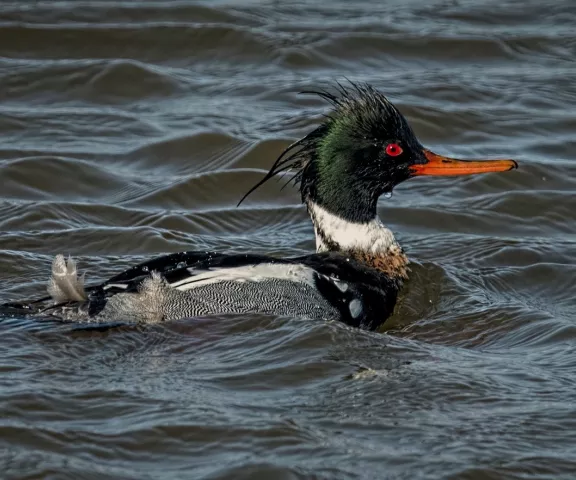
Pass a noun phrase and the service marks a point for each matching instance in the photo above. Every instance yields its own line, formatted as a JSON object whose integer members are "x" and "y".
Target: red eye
{"x": 393, "y": 149}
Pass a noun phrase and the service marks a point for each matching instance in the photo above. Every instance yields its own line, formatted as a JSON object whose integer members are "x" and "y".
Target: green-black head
{"x": 363, "y": 149}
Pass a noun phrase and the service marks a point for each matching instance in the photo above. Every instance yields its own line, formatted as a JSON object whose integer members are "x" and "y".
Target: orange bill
{"x": 439, "y": 165}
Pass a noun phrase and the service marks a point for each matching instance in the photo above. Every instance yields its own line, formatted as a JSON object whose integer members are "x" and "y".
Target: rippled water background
{"x": 129, "y": 129}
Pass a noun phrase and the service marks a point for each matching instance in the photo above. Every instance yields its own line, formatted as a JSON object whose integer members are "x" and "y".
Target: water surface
{"x": 131, "y": 129}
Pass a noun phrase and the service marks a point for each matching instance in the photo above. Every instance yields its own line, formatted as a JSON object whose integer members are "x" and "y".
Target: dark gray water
{"x": 129, "y": 129}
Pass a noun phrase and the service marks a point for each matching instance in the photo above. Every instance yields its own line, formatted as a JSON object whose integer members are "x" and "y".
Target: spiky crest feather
{"x": 360, "y": 106}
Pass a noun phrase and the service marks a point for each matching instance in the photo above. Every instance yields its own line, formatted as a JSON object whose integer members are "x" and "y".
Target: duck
{"x": 363, "y": 148}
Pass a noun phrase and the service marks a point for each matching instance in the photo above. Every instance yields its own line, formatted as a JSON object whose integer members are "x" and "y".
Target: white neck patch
{"x": 372, "y": 236}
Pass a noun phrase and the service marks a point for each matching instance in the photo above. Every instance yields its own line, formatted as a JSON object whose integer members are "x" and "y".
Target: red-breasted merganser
{"x": 364, "y": 148}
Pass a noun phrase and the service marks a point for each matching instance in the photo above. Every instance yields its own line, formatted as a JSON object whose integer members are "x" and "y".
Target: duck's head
{"x": 364, "y": 149}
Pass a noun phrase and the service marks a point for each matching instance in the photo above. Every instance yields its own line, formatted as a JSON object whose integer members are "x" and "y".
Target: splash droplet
{"x": 388, "y": 194}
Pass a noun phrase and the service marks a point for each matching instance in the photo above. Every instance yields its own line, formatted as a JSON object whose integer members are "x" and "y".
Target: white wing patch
{"x": 248, "y": 273}
{"x": 123, "y": 286}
